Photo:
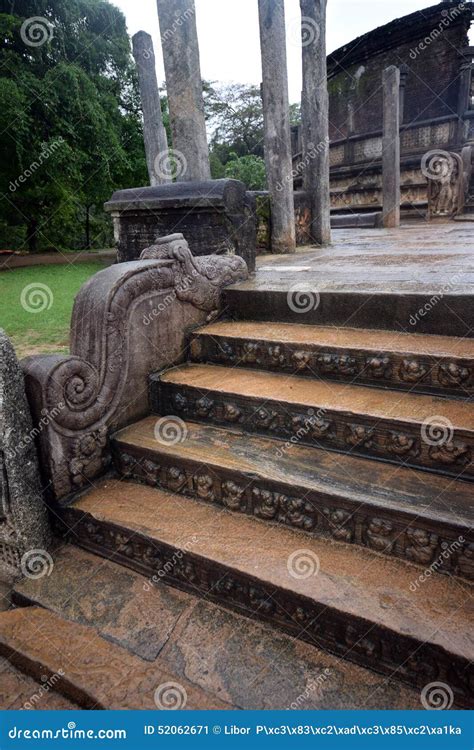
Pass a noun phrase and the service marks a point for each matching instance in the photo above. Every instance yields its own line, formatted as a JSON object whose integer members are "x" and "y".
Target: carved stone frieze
{"x": 402, "y": 445}
{"x": 391, "y": 369}
{"x": 233, "y": 496}
{"x": 342, "y": 634}
{"x": 421, "y": 546}
{"x": 380, "y": 535}
{"x": 378, "y": 367}
{"x": 412, "y": 371}
{"x": 341, "y": 524}
{"x": 382, "y": 438}
{"x": 451, "y": 374}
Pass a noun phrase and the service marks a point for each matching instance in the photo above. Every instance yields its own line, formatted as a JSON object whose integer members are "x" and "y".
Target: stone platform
{"x": 418, "y": 278}
{"x": 417, "y": 258}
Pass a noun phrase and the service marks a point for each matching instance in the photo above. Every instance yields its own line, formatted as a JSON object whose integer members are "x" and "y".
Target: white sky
{"x": 229, "y": 35}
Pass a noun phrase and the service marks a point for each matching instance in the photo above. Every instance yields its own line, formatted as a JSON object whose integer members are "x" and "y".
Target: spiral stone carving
{"x": 96, "y": 385}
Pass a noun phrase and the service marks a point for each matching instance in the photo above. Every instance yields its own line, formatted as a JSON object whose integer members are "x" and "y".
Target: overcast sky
{"x": 229, "y": 36}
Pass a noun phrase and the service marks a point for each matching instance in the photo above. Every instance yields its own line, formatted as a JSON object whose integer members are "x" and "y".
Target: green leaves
{"x": 71, "y": 128}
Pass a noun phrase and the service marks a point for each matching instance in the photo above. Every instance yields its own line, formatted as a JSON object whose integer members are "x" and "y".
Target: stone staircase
{"x": 313, "y": 478}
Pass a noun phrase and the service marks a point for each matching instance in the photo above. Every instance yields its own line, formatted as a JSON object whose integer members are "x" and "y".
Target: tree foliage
{"x": 70, "y": 121}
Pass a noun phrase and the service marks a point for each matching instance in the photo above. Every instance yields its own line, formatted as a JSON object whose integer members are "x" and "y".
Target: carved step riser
{"x": 349, "y": 637}
{"x": 383, "y": 530}
{"x": 451, "y": 454}
{"x": 422, "y": 374}
{"x": 448, "y": 314}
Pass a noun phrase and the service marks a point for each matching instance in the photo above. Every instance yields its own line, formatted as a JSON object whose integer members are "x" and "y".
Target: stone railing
{"x": 129, "y": 321}
{"x": 24, "y": 530}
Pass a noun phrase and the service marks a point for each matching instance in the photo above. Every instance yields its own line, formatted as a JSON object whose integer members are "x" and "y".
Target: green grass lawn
{"x": 36, "y": 305}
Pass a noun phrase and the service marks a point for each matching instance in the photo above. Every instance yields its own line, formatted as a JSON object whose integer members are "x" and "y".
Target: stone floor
{"x": 416, "y": 258}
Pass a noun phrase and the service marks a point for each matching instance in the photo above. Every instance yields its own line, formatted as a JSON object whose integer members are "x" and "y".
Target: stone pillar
{"x": 391, "y": 147}
{"x": 276, "y": 111}
{"x": 404, "y": 71}
{"x": 315, "y": 114}
{"x": 25, "y": 534}
{"x": 154, "y": 133}
{"x": 184, "y": 88}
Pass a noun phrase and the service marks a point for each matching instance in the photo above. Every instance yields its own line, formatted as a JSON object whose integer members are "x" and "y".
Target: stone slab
{"x": 124, "y": 607}
{"x": 372, "y": 504}
{"x": 97, "y": 674}
{"x": 340, "y": 605}
{"x": 384, "y": 359}
{"x": 243, "y": 663}
{"x": 20, "y": 692}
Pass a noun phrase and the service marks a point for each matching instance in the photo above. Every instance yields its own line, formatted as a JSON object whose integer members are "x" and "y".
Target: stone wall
{"x": 428, "y": 47}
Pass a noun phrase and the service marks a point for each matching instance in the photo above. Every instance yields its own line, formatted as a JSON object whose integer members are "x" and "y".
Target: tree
{"x": 249, "y": 169}
{"x": 235, "y": 119}
{"x": 70, "y": 119}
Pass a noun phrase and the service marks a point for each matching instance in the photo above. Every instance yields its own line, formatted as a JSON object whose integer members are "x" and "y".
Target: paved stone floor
{"x": 416, "y": 258}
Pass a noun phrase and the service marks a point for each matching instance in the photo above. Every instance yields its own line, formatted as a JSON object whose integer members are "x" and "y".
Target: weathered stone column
{"x": 184, "y": 87}
{"x": 276, "y": 112}
{"x": 154, "y": 133}
{"x": 315, "y": 113}
{"x": 24, "y": 526}
{"x": 391, "y": 147}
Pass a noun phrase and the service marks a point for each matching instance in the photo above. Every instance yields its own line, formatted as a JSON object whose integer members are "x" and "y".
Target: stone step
{"x": 18, "y": 692}
{"x": 94, "y": 673}
{"x": 344, "y": 599}
{"x": 401, "y": 512}
{"x": 411, "y": 429}
{"x": 300, "y": 299}
{"x": 387, "y": 359}
{"x": 222, "y": 652}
